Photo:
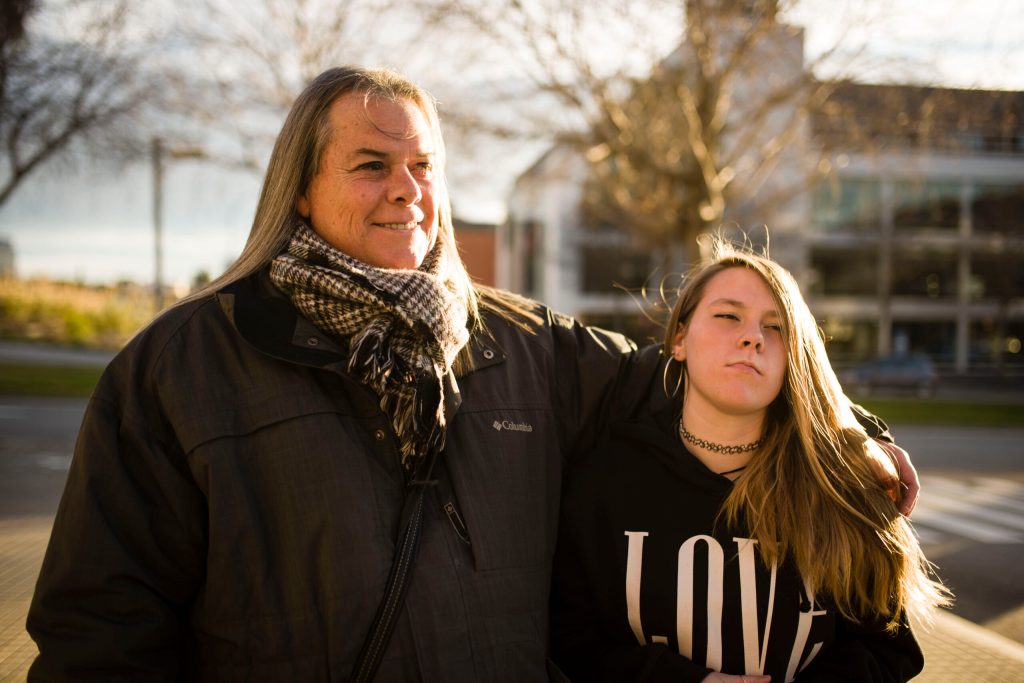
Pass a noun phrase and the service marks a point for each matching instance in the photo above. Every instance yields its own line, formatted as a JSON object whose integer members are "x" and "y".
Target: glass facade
{"x": 935, "y": 338}
{"x": 531, "y": 262}
{"x": 926, "y": 205}
{"x": 998, "y": 209}
{"x": 844, "y": 272}
{"x": 928, "y": 249}
{"x": 997, "y": 276}
{"x": 848, "y": 204}
{"x": 924, "y": 274}
{"x": 848, "y": 340}
{"x": 990, "y": 345}
{"x": 604, "y": 267}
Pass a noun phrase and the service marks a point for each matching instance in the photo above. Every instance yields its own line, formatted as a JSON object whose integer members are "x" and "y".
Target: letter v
{"x": 753, "y": 652}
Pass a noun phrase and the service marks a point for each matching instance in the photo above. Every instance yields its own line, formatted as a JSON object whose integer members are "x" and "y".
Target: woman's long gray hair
{"x": 296, "y": 160}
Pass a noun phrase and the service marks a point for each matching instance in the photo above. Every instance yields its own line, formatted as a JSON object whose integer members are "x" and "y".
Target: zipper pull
{"x": 457, "y": 523}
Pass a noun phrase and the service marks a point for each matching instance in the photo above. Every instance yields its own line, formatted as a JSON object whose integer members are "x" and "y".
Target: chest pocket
{"x": 303, "y": 509}
{"x": 302, "y": 444}
{"x": 505, "y": 467}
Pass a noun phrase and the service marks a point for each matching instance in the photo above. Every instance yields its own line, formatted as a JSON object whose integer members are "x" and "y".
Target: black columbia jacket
{"x": 234, "y": 495}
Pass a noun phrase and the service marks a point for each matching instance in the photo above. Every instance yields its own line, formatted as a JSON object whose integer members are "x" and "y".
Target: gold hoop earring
{"x": 664, "y": 378}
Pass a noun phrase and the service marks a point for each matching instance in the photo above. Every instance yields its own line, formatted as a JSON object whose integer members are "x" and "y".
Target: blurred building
{"x": 914, "y": 240}
{"x": 477, "y": 247}
{"x": 6, "y": 259}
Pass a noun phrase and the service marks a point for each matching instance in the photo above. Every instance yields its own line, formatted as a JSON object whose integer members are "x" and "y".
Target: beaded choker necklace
{"x": 717, "y": 447}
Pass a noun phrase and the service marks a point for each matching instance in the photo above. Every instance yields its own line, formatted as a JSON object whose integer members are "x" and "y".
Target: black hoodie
{"x": 644, "y": 572}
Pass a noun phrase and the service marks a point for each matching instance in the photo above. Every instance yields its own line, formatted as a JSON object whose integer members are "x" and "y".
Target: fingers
{"x": 904, "y": 491}
{"x": 909, "y": 484}
{"x": 908, "y": 479}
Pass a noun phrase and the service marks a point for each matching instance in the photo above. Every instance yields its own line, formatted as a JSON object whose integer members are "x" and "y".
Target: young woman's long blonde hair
{"x": 809, "y": 494}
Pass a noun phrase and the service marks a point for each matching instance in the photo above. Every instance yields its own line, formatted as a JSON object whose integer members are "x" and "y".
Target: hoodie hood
{"x": 656, "y": 436}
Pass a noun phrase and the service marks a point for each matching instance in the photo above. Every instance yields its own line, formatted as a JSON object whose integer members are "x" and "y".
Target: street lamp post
{"x": 157, "y": 154}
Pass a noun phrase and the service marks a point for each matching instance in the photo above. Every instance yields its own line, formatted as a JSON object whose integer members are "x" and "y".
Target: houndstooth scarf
{"x": 404, "y": 328}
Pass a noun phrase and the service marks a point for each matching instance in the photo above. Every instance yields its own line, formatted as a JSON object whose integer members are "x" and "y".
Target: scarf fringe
{"x": 370, "y": 356}
{"x": 403, "y": 328}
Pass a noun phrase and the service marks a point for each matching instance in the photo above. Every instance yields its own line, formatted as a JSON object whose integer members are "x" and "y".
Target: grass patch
{"x": 65, "y": 313}
{"x": 18, "y": 379}
{"x": 943, "y": 412}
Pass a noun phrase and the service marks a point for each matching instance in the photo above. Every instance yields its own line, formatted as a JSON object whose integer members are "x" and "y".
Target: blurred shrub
{"x": 72, "y": 314}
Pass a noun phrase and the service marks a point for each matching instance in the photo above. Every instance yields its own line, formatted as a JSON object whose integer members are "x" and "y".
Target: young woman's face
{"x": 733, "y": 345}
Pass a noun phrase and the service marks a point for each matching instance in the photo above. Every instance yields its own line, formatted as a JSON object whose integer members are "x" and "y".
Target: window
{"x": 531, "y": 257}
{"x": 991, "y": 344}
{"x": 844, "y": 272}
{"x": 605, "y": 266}
{"x": 847, "y": 205}
{"x": 997, "y": 276}
{"x": 998, "y": 209}
{"x": 926, "y": 205}
{"x": 924, "y": 274}
{"x": 934, "y": 338}
{"x": 850, "y": 340}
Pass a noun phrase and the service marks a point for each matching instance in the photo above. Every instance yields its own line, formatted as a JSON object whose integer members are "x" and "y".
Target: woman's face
{"x": 375, "y": 196}
{"x": 733, "y": 345}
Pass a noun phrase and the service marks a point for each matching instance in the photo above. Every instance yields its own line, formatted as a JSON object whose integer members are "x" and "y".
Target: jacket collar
{"x": 267, "y": 320}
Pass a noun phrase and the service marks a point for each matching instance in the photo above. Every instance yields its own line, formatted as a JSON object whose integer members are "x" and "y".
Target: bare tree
{"x": 246, "y": 62}
{"x": 12, "y": 19}
{"x": 71, "y": 76}
{"x": 677, "y": 142}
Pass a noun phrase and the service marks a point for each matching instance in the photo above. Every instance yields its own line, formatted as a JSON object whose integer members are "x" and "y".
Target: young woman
{"x": 739, "y": 535}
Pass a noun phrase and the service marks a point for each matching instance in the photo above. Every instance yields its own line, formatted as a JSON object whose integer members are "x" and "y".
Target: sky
{"x": 94, "y": 224}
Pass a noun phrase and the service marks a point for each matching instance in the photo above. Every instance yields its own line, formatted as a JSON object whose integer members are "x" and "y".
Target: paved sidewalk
{"x": 22, "y": 542}
{"x": 959, "y": 651}
{"x": 956, "y": 651}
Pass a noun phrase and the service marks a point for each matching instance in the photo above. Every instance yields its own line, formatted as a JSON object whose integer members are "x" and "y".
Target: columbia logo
{"x": 512, "y": 426}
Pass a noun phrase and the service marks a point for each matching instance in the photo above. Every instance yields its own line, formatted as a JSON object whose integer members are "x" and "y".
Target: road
{"x": 36, "y": 440}
{"x": 43, "y": 354}
{"x": 970, "y": 519}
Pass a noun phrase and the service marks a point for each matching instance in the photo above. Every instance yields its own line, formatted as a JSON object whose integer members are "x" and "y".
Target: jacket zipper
{"x": 457, "y": 523}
